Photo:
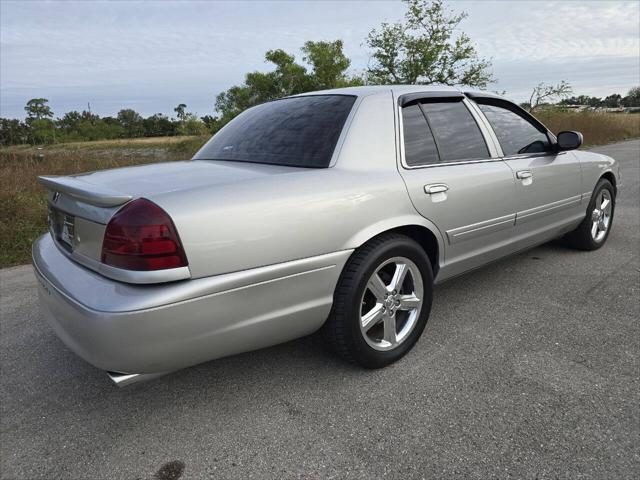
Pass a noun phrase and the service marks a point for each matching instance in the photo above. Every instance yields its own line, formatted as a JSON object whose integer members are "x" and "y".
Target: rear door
{"x": 548, "y": 183}
{"x": 455, "y": 178}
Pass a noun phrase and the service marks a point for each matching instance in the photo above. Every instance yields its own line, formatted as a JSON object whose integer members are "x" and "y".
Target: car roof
{"x": 397, "y": 90}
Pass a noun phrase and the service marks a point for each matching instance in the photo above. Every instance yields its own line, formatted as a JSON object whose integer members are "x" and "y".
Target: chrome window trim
{"x": 485, "y": 134}
{"x": 533, "y": 155}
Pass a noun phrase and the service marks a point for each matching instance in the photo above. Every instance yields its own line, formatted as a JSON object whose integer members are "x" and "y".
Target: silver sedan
{"x": 334, "y": 210}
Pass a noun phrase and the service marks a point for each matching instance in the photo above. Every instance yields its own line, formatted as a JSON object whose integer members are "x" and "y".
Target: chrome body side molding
{"x": 542, "y": 210}
{"x": 481, "y": 228}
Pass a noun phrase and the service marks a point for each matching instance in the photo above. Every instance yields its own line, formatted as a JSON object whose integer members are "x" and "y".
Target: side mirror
{"x": 569, "y": 140}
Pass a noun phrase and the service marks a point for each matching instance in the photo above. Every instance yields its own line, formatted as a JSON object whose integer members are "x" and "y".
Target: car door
{"x": 455, "y": 178}
{"x": 548, "y": 182}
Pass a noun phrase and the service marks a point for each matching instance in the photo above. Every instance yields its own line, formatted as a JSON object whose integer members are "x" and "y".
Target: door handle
{"x": 524, "y": 174}
{"x": 435, "y": 188}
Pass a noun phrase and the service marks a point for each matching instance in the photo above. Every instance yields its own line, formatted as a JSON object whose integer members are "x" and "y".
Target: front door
{"x": 455, "y": 180}
{"x": 548, "y": 183}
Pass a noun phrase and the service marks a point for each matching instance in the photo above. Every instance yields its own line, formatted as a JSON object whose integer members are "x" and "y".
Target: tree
{"x": 131, "y": 121}
{"x": 328, "y": 69}
{"x": 545, "y": 93}
{"x": 13, "y": 132}
{"x": 70, "y": 121}
{"x": 181, "y": 111}
{"x": 41, "y": 131}
{"x": 37, "y": 109}
{"x": 328, "y": 65}
{"x": 632, "y": 99}
{"x": 192, "y": 125}
{"x": 613, "y": 101}
{"x": 212, "y": 123}
{"x": 159, "y": 125}
{"x": 424, "y": 49}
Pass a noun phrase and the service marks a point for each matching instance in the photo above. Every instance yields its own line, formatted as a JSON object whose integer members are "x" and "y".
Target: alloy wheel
{"x": 391, "y": 303}
{"x": 601, "y": 215}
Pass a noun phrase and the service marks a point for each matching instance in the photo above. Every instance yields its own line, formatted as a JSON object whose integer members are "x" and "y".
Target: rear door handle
{"x": 524, "y": 174}
{"x": 435, "y": 188}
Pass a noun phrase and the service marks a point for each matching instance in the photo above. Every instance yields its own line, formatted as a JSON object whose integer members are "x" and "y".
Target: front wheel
{"x": 592, "y": 233}
{"x": 382, "y": 301}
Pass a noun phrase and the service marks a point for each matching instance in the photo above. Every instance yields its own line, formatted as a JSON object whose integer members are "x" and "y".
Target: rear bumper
{"x": 158, "y": 328}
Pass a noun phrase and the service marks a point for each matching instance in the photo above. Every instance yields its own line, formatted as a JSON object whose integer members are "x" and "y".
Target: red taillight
{"x": 141, "y": 236}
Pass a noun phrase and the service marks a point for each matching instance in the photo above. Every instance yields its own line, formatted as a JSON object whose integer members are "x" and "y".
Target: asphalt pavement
{"x": 528, "y": 368}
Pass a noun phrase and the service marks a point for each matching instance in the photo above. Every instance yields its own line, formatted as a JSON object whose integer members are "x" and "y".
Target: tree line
{"x": 631, "y": 99}
{"x": 425, "y": 47}
{"x": 40, "y": 127}
{"x": 561, "y": 96}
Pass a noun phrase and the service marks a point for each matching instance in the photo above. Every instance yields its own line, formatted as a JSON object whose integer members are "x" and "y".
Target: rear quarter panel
{"x": 301, "y": 215}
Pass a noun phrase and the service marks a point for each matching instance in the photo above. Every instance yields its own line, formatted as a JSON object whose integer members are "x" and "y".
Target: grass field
{"x": 23, "y": 215}
{"x": 23, "y": 204}
{"x": 597, "y": 128}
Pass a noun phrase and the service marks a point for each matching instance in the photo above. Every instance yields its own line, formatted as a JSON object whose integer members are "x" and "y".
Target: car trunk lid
{"x": 80, "y": 206}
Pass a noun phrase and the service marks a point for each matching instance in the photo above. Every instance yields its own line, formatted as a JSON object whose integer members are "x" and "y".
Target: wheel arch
{"x": 608, "y": 175}
{"x": 425, "y": 233}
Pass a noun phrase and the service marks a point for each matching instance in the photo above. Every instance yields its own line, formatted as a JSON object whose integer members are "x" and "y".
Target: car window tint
{"x": 515, "y": 134}
{"x": 457, "y": 133}
{"x": 419, "y": 145}
{"x": 297, "y": 131}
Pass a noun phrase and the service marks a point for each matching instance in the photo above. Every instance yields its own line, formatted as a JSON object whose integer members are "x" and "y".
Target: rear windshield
{"x": 298, "y": 132}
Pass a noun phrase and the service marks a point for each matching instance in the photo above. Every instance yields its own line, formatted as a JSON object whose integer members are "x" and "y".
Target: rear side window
{"x": 419, "y": 145}
{"x": 516, "y": 134}
{"x": 436, "y": 132}
{"x": 298, "y": 132}
{"x": 457, "y": 134}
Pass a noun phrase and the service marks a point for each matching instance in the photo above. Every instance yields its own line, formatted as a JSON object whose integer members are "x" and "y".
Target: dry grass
{"x": 23, "y": 204}
{"x": 23, "y": 214}
{"x": 597, "y": 128}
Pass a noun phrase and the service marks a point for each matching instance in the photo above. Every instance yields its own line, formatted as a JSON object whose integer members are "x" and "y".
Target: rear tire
{"x": 594, "y": 230}
{"x": 382, "y": 301}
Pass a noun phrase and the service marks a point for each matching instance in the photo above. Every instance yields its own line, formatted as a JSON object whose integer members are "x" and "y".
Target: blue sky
{"x": 152, "y": 55}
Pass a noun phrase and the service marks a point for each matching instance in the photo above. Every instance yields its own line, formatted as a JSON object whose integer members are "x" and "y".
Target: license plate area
{"x": 62, "y": 227}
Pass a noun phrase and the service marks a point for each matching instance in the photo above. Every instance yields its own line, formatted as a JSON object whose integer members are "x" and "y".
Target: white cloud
{"x": 152, "y": 55}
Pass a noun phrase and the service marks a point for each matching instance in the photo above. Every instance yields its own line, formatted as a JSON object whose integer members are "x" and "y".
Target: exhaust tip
{"x": 125, "y": 379}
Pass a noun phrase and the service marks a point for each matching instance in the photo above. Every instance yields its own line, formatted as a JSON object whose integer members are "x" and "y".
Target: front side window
{"x": 516, "y": 134}
{"x": 296, "y": 131}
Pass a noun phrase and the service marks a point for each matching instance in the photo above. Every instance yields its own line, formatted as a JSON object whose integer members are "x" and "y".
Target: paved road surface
{"x": 528, "y": 368}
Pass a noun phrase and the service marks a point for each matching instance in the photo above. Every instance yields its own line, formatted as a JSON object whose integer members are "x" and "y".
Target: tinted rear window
{"x": 299, "y": 132}
{"x": 419, "y": 145}
{"x": 457, "y": 134}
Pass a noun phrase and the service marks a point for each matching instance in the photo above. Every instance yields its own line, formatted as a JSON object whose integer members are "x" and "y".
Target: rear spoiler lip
{"x": 89, "y": 193}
